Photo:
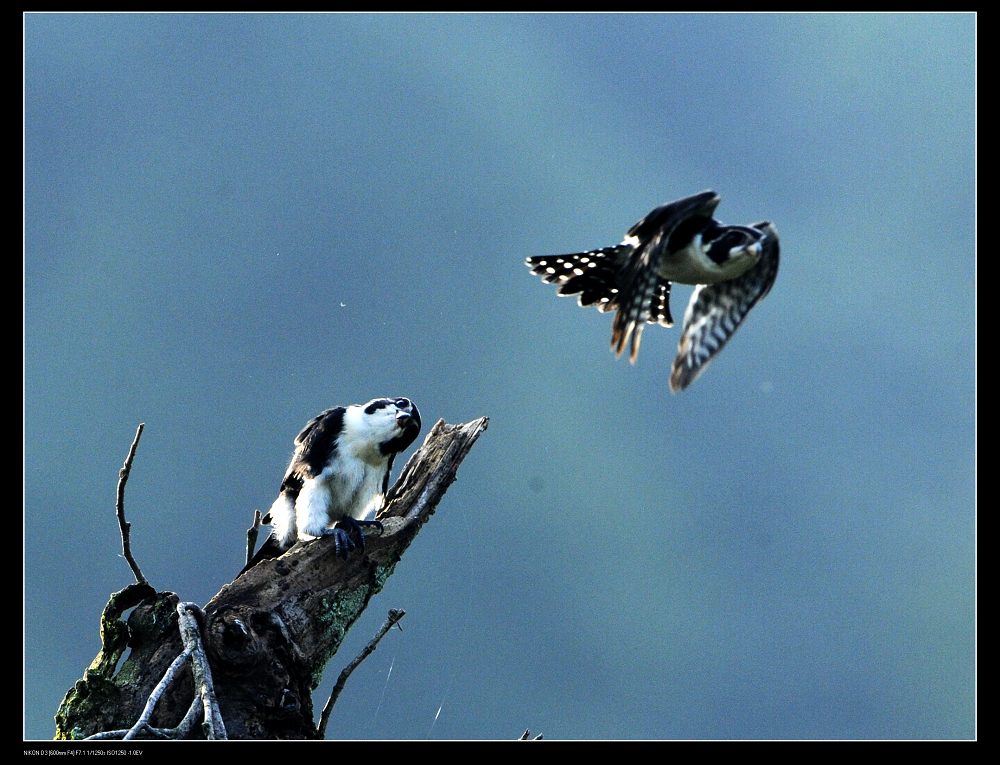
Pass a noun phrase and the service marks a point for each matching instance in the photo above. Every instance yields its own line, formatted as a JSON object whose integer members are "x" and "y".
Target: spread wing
{"x": 593, "y": 275}
{"x": 717, "y": 310}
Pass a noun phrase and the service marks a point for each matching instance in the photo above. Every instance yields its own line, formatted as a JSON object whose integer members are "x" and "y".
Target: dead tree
{"x": 258, "y": 648}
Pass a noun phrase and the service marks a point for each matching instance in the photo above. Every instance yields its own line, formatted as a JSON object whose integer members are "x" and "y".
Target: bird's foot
{"x": 342, "y": 541}
{"x": 348, "y": 535}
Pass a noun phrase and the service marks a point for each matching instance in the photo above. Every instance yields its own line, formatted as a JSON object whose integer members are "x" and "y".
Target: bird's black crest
{"x": 722, "y": 239}
{"x": 379, "y": 403}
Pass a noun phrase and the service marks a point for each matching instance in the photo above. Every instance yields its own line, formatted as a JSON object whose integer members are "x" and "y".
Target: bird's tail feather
{"x": 270, "y": 549}
{"x": 282, "y": 515}
{"x": 283, "y": 534}
{"x": 645, "y": 301}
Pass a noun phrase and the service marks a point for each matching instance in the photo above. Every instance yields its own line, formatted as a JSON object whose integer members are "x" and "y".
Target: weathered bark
{"x": 268, "y": 634}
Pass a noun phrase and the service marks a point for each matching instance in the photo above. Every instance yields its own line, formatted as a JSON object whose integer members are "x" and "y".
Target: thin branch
{"x": 107, "y": 734}
{"x": 252, "y": 535}
{"x": 168, "y": 677}
{"x": 142, "y": 724}
{"x": 182, "y": 731}
{"x": 395, "y": 614}
{"x": 189, "y": 614}
{"x": 191, "y": 718}
{"x": 124, "y": 525}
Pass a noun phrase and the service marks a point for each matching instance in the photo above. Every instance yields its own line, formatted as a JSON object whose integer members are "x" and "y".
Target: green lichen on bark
{"x": 105, "y": 693}
{"x": 382, "y": 574}
{"x": 338, "y": 613}
{"x": 85, "y": 701}
{"x": 114, "y": 632}
{"x": 91, "y": 697}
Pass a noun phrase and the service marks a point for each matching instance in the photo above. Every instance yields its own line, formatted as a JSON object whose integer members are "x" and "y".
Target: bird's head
{"x": 392, "y": 423}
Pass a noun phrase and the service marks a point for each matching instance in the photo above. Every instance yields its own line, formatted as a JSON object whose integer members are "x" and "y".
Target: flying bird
{"x": 338, "y": 475}
{"x": 732, "y": 266}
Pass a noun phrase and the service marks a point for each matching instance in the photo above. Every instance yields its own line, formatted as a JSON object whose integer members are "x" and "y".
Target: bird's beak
{"x": 403, "y": 419}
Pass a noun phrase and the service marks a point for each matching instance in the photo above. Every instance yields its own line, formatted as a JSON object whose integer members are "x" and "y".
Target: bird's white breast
{"x": 347, "y": 486}
{"x": 355, "y": 485}
{"x": 692, "y": 265}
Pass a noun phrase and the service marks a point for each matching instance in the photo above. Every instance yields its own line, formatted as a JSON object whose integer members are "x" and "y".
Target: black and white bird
{"x": 732, "y": 266}
{"x": 339, "y": 474}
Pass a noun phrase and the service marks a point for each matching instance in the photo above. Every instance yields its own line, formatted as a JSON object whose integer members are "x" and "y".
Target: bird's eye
{"x": 403, "y": 403}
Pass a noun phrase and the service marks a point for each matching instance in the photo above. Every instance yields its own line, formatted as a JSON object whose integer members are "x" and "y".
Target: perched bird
{"x": 733, "y": 266}
{"x": 338, "y": 475}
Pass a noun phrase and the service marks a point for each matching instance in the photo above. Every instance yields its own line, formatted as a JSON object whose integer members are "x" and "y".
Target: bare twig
{"x": 252, "y": 535}
{"x": 189, "y": 615}
{"x": 395, "y": 614}
{"x": 124, "y": 525}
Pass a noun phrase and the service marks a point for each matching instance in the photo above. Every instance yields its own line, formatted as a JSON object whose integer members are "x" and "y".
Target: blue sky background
{"x": 235, "y": 221}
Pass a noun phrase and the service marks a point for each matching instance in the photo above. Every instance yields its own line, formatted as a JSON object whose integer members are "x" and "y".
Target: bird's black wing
{"x": 623, "y": 278}
{"x": 666, "y": 217}
{"x": 314, "y": 447}
{"x": 644, "y": 296}
{"x": 717, "y": 310}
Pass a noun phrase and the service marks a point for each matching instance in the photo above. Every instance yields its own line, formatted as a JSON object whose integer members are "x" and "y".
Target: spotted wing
{"x": 624, "y": 278}
{"x": 717, "y": 310}
{"x": 593, "y": 275}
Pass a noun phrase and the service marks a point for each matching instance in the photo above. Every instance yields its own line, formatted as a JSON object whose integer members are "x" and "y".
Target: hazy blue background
{"x": 233, "y": 222}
